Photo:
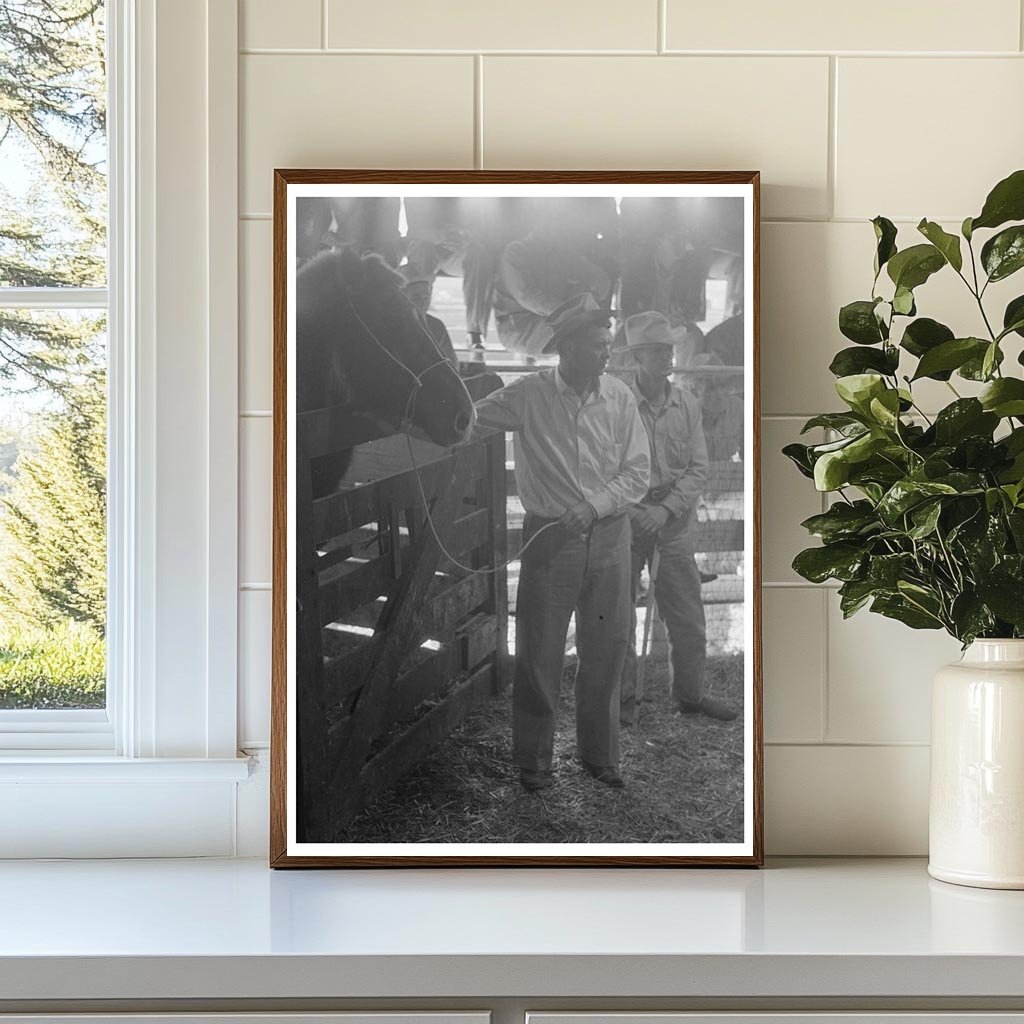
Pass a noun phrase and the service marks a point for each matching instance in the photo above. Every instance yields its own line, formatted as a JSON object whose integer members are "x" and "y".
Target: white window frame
{"x": 173, "y": 469}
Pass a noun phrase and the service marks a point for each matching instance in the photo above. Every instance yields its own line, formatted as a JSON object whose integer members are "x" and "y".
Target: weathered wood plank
{"x": 401, "y": 622}
{"x": 445, "y": 609}
{"x": 352, "y": 584}
{"x": 393, "y": 762}
{"x": 312, "y": 783}
{"x": 343, "y": 511}
{"x": 326, "y": 431}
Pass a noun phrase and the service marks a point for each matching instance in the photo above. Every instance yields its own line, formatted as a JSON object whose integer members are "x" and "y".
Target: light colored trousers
{"x": 681, "y": 607}
{"x": 561, "y": 574}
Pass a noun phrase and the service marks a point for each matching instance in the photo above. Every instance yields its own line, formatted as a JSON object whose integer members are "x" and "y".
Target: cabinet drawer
{"x": 359, "y": 1017}
{"x": 934, "y": 1017}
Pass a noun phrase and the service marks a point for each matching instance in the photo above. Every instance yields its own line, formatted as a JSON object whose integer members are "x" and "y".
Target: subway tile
{"x": 351, "y": 111}
{"x": 679, "y": 113}
{"x": 794, "y": 663}
{"x": 254, "y": 618}
{"x": 846, "y": 801}
{"x": 255, "y": 509}
{"x": 470, "y": 25}
{"x": 878, "y": 25}
{"x": 255, "y": 319}
{"x": 880, "y": 676}
{"x": 808, "y": 271}
{"x": 957, "y": 129}
{"x": 787, "y": 498}
{"x": 270, "y": 24}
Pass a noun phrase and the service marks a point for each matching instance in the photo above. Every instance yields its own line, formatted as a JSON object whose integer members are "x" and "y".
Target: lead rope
{"x": 410, "y": 405}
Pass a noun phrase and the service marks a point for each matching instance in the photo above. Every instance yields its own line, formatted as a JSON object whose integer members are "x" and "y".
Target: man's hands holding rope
{"x": 579, "y": 518}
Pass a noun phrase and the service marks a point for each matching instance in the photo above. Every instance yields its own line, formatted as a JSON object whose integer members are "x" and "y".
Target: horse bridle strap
{"x": 417, "y": 378}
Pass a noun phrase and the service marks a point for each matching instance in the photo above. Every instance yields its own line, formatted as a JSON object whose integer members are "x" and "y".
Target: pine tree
{"x": 53, "y": 520}
{"x": 52, "y": 123}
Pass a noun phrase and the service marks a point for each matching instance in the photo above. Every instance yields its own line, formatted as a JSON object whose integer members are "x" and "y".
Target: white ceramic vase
{"x": 976, "y": 814}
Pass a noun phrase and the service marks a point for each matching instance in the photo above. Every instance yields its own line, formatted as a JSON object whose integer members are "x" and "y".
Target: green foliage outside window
{"x": 52, "y": 365}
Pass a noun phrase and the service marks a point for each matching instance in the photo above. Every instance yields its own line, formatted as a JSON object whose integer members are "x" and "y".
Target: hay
{"x": 684, "y": 780}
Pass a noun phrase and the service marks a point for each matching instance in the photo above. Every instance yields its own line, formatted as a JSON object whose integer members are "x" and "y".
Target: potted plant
{"x": 927, "y": 521}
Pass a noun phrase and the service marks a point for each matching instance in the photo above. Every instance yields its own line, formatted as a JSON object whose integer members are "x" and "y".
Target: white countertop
{"x": 235, "y": 929}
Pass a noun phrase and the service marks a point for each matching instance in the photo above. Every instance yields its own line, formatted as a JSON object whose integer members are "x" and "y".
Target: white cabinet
{"x": 787, "y": 1017}
{"x": 362, "y": 1017}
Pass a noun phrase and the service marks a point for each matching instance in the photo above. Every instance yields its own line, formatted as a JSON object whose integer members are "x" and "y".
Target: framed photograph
{"x": 516, "y": 609}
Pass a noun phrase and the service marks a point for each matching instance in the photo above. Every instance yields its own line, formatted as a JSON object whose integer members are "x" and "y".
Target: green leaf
{"x": 898, "y": 608}
{"x": 1013, "y": 317}
{"x": 923, "y": 335}
{"x": 966, "y": 417}
{"x": 833, "y": 420}
{"x": 885, "y": 409}
{"x": 843, "y": 521}
{"x": 854, "y": 594}
{"x": 832, "y": 561}
{"x": 1005, "y": 202}
{"x": 858, "y": 389}
{"x": 1004, "y": 397}
{"x": 850, "y": 361}
{"x": 885, "y": 236}
{"x": 903, "y": 302}
{"x": 857, "y": 321}
{"x": 974, "y": 368}
{"x": 885, "y": 571}
{"x": 831, "y": 471}
{"x": 906, "y": 494}
{"x": 949, "y": 355}
{"x": 991, "y": 360}
{"x": 799, "y": 455}
{"x": 970, "y": 617}
{"x": 925, "y": 518}
{"x": 912, "y": 267}
{"x": 1005, "y": 597}
{"x": 1003, "y": 254}
{"x": 947, "y": 244}
{"x": 965, "y": 229}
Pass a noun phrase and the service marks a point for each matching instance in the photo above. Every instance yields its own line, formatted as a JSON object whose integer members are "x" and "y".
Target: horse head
{"x": 361, "y": 343}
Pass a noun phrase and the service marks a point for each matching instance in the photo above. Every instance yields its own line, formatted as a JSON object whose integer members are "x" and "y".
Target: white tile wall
{"x": 838, "y": 138}
{"x": 944, "y": 105}
{"x": 793, "y": 628}
{"x": 330, "y": 110}
{"x": 873, "y": 25}
{"x": 471, "y": 25}
{"x": 261, "y": 25}
{"x": 697, "y": 113}
{"x": 256, "y": 306}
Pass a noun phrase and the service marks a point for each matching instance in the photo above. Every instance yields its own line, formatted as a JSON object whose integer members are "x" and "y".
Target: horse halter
{"x": 410, "y": 405}
{"x": 417, "y": 378}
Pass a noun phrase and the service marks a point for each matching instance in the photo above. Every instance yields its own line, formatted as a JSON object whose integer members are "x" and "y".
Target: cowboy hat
{"x": 647, "y": 329}
{"x": 572, "y": 314}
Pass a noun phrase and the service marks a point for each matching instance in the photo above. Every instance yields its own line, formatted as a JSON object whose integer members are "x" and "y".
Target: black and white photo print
{"x": 516, "y": 568}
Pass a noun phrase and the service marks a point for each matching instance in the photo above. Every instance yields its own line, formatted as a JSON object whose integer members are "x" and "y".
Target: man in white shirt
{"x": 581, "y": 459}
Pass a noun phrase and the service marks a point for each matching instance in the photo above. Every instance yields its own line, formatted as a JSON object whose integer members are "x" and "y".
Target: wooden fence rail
{"x": 396, "y": 643}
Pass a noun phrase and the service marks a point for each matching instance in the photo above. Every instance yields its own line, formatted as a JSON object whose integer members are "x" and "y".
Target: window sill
{"x": 75, "y": 766}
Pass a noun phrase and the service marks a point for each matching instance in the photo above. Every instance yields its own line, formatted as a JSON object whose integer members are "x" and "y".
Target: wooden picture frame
{"x": 382, "y": 645}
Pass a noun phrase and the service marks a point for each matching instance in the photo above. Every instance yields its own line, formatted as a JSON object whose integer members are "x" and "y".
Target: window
{"x": 53, "y": 370}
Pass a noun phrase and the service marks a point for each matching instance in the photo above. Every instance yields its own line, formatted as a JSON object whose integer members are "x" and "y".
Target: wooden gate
{"x": 395, "y": 643}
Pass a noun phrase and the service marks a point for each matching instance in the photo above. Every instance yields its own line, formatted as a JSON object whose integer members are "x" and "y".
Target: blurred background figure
{"x": 364, "y": 225}
{"x": 464, "y": 237}
{"x": 418, "y": 289}
{"x": 538, "y": 273}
